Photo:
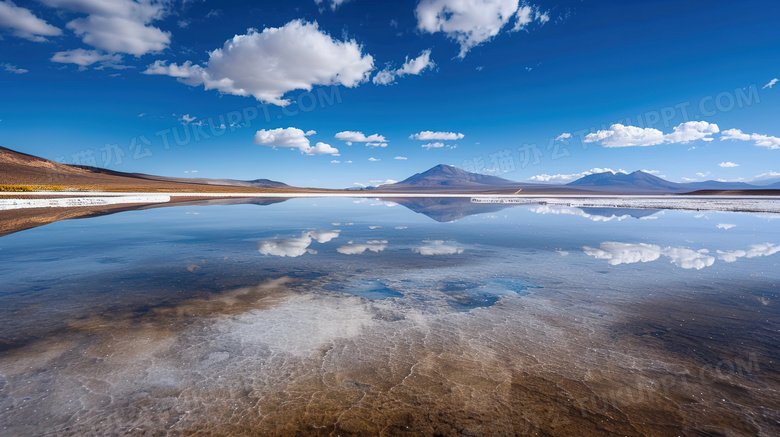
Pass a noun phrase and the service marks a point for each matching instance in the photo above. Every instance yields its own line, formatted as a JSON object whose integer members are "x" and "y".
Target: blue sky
{"x": 330, "y": 94}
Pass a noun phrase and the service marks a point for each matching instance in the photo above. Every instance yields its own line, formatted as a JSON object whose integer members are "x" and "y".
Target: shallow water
{"x": 355, "y": 317}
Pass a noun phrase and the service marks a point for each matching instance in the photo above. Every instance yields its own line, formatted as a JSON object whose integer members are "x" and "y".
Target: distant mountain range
{"x": 449, "y": 178}
{"x": 19, "y": 169}
{"x": 640, "y": 182}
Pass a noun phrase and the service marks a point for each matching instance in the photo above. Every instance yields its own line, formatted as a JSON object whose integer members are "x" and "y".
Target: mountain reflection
{"x": 448, "y": 209}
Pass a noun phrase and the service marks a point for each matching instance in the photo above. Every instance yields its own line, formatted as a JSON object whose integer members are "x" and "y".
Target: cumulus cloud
{"x": 437, "y": 247}
{"x": 628, "y": 253}
{"x": 268, "y": 64}
{"x": 295, "y": 247}
{"x": 84, "y": 58}
{"x": 14, "y": 69}
{"x": 427, "y": 135}
{"x": 725, "y": 226}
{"x": 24, "y": 24}
{"x": 356, "y": 249}
{"x": 770, "y": 84}
{"x": 118, "y": 26}
{"x": 691, "y": 131}
{"x": 772, "y": 143}
{"x": 372, "y": 159}
{"x": 564, "y": 178}
{"x": 294, "y": 138}
{"x": 411, "y": 66}
{"x": 350, "y": 137}
{"x": 401, "y": 158}
{"x": 619, "y": 135}
{"x": 473, "y": 22}
{"x": 728, "y": 164}
{"x": 563, "y": 136}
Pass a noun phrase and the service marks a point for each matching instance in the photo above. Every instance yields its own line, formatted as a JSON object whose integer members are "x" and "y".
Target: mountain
{"x": 257, "y": 183}
{"x": 448, "y": 175}
{"x": 447, "y": 209}
{"x": 640, "y": 182}
{"x": 447, "y": 178}
{"x": 21, "y": 169}
{"x": 636, "y": 182}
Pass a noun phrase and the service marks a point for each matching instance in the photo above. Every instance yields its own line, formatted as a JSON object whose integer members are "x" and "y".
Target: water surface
{"x": 426, "y": 316}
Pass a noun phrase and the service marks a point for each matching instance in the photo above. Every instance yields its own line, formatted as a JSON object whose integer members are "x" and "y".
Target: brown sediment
{"x": 16, "y": 220}
{"x": 212, "y": 366}
{"x": 27, "y": 218}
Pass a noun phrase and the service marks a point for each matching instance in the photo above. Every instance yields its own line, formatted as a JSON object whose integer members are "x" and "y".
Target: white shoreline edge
{"x": 737, "y": 203}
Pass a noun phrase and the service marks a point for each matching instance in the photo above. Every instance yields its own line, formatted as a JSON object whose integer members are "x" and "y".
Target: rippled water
{"x": 433, "y": 317}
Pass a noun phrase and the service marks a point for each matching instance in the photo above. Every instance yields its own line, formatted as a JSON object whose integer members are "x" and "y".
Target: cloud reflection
{"x": 437, "y": 247}
{"x": 295, "y": 247}
{"x": 755, "y": 251}
{"x": 356, "y": 249}
{"x": 628, "y": 253}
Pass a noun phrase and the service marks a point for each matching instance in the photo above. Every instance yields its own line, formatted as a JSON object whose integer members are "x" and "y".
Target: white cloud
{"x": 356, "y": 249}
{"x": 14, "y": 69}
{"x": 333, "y": 3}
{"x": 563, "y": 136}
{"x": 401, "y": 158}
{"x": 619, "y": 135}
{"x": 295, "y": 138}
{"x": 772, "y": 143}
{"x": 372, "y": 159}
{"x": 563, "y": 178}
{"x": 24, "y": 24}
{"x": 728, "y": 164}
{"x": 84, "y": 58}
{"x": 335, "y": 161}
{"x": 384, "y": 77}
{"x": 627, "y": 253}
{"x": 187, "y": 119}
{"x": 411, "y": 66}
{"x": 691, "y": 131}
{"x": 295, "y": 247}
{"x": 435, "y": 145}
{"x": 268, "y": 64}
{"x": 437, "y": 247}
{"x": 350, "y": 137}
{"x": 322, "y": 149}
{"x": 725, "y": 226}
{"x": 427, "y": 135}
{"x": 769, "y": 174}
{"x": 473, "y": 22}
{"x": 770, "y": 84}
{"x": 118, "y": 26}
